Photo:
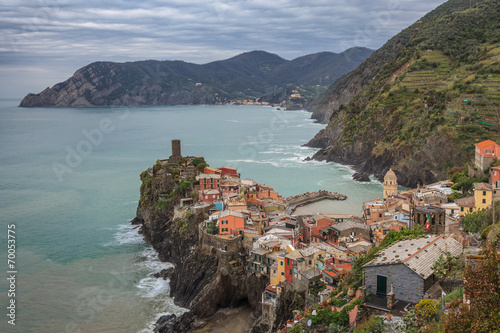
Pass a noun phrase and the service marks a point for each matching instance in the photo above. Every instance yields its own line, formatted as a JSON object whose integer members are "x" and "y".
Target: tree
{"x": 482, "y": 287}
{"x": 445, "y": 266}
{"x": 475, "y": 222}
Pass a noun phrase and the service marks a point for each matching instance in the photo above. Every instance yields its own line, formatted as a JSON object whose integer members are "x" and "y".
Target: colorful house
{"x": 495, "y": 181}
{"x": 226, "y": 171}
{"x": 466, "y": 205}
{"x": 231, "y": 223}
{"x": 212, "y": 171}
{"x": 291, "y": 264}
{"x": 208, "y": 195}
{"x": 485, "y": 153}
{"x": 209, "y": 181}
{"x": 482, "y": 195}
{"x": 312, "y": 227}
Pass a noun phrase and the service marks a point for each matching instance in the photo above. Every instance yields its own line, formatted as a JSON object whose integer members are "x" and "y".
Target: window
{"x": 224, "y": 222}
{"x": 461, "y": 209}
{"x": 379, "y": 215}
{"x": 288, "y": 261}
{"x": 224, "y": 229}
{"x": 484, "y": 192}
{"x": 291, "y": 272}
{"x": 310, "y": 262}
{"x": 484, "y": 200}
{"x": 282, "y": 273}
{"x": 281, "y": 263}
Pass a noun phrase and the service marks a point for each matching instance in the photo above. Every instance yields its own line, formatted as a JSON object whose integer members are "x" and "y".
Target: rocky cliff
{"x": 202, "y": 281}
{"x": 420, "y": 102}
{"x": 246, "y": 76}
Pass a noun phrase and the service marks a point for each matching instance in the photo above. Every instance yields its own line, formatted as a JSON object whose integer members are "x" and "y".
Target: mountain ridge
{"x": 165, "y": 82}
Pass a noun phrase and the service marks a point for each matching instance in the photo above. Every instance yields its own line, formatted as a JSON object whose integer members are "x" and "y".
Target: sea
{"x": 70, "y": 186}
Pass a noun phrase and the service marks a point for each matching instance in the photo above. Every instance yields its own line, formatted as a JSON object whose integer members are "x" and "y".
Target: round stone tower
{"x": 390, "y": 184}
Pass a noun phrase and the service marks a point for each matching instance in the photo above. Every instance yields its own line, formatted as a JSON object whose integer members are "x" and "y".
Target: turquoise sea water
{"x": 70, "y": 184}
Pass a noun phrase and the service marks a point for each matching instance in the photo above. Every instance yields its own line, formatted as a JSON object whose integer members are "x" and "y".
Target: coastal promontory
{"x": 248, "y": 76}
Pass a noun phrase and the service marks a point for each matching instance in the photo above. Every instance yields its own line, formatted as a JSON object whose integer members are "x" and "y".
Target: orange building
{"x": 231, "y": 223}
{"x": 229, "y": 171}
{"x": 486, "y": 152}
{"x": 312, "y": 228}
{"x": 212, "y": 171}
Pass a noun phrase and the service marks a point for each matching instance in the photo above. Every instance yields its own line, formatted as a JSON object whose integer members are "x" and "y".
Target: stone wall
{"x": 407, "y": 285}
{"x": 210, "y": 242}
{"x": 310, "y": 197}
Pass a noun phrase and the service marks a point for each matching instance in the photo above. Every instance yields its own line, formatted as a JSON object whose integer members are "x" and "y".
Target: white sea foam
{"x": 125, "y": 234}
{"x": 151, "y": 286}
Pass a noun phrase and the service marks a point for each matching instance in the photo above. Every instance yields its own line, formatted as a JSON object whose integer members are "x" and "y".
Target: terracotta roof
{"x": 332, "y": 274}
{"x": 271, "y": 288}
{"x": 485, "y": 143}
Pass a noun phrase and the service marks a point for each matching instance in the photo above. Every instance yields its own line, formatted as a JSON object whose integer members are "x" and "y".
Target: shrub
{"x": 373, "y": 325}
{"x": 426, "y": 309}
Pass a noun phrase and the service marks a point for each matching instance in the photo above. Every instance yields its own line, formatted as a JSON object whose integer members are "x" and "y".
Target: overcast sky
{"x": 43, "y": 42}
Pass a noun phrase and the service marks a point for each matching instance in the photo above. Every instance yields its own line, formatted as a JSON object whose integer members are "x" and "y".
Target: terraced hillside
{"x": 425, "y": 108}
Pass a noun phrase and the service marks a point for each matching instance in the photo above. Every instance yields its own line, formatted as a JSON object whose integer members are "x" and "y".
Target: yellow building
{"x": 278, "y": 272}
{"x": 390, "y": 184}
{"x": 482, "y": 196}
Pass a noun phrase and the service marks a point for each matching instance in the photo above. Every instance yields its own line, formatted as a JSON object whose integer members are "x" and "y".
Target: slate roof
{"x": 465, "y": 202}
{"x": 261, "y": 251}
{"x": 417, "y": 254}
{"x": 429, "y": 209}
{"x": 311, "y": 273}
{"x": 482, "y": 187}
{"x": 271, "y": 244}
{"x": 207, "y": 176}
{"x": 350, "y": 225}
{"x": 230, "y": 212}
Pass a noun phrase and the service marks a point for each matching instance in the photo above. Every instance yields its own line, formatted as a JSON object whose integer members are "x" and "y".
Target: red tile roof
{"x": 486, "y": 143}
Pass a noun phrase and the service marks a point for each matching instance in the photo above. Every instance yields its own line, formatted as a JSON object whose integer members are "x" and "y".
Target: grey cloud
{"x": 68, "y": 34}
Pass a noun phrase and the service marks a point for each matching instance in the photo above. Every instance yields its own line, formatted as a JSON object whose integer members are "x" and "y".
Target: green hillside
{"x": 424, "y": 109}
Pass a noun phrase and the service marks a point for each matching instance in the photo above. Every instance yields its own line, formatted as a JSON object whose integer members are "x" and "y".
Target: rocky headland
{"x": 202, "y": 281}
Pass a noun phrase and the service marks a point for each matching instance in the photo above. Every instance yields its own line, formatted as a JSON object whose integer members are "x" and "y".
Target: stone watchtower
{"x": 390, "y": 184}
{"x": 176, "y": 152}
